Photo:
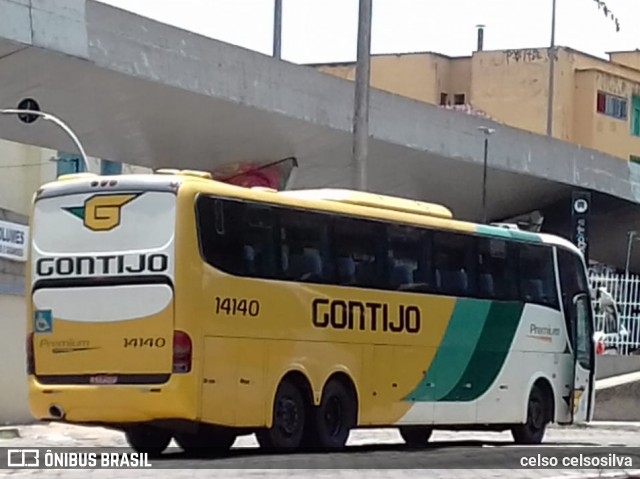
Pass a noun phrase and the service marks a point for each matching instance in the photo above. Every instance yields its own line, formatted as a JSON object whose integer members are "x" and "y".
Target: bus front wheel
{"x": 533, "y": 430}
{"x": 148, "y": 439}
{"x": 288, "y": 423}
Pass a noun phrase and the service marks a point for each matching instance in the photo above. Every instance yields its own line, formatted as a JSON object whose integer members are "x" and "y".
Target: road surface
{"x": 371, "y": 454}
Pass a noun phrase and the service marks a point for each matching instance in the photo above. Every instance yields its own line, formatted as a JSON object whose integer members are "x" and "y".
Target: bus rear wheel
{"x": 289, "y": 414}
{"x": 148, "y": 439}
{"x": 335, "y": 417}
{"x": 206, "y": 441}
{"x": 533, "y": 430}
{"x": 416, "y": 436}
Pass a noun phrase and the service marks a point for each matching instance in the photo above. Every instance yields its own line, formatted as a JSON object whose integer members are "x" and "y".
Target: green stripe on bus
{"x": 455, "y": 351}
{"x": 493, "y": 232}
{"x": 497, "y": 232}
{"x": 490, "y": 353}
{"x": 525, "y": 236}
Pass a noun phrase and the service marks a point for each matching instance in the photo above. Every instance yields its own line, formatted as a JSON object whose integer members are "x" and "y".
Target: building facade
{"x": 22, "y": 170}
{"x": 596, "y": 102}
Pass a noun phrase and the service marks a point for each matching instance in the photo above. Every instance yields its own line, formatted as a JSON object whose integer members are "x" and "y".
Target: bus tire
{"x": 206, "y": 441}
{"x": 288, "y": 423}
{"x": 148, "y": 439}
{"x": 533, "y": 430}
{"x": 335, "y": 416}
{"x": 416, "y": 436}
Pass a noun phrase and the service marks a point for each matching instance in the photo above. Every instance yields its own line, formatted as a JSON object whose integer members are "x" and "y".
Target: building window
{"x": 635, "y": 116}
{"x": 634, "y": 159}
{"x": 613, "y": 106}
{"x": 68, "y": 164}
{"x": 110, "y": 167}
{"x": 459, "y": 99}
{"x": 444, "y": 98}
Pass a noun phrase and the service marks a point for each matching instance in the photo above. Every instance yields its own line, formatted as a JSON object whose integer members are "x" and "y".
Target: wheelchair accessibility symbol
{"x": 43, "y": 322}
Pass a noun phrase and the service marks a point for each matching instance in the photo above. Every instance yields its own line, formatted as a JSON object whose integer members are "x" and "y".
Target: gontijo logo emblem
{"x": 102, "y": 212}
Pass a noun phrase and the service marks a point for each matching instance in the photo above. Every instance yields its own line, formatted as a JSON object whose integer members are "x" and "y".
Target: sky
{"x": 316, "y": 31}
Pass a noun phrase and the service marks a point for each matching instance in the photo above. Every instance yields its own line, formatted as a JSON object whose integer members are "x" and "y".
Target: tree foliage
{"x": 608, "y": 13}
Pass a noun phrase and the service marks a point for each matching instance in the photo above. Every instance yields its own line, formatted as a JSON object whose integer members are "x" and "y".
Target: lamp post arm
{"x": 57, "y": 121}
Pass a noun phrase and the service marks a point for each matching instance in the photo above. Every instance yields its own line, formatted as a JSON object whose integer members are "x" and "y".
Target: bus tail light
{"x": 31, "y": 364}
{"x": 182, "y": 352}
{"x": 600, "y": 347}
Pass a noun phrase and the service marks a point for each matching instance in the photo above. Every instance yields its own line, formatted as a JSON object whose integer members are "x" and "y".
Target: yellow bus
{"x": 172, "y": 306}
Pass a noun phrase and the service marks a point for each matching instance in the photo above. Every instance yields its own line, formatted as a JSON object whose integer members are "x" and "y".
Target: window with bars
{"x": 611, "y": 105}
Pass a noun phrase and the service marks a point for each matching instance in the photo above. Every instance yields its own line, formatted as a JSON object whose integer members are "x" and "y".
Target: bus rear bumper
{"x": 112, "y": 404}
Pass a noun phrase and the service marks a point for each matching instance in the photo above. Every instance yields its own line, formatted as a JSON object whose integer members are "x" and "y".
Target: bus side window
{"x": 455, "y": 263}
{"x": 218, "y": 245}
{"x": 256, "y": 234}
{"x": 496, "y": 274}
{"x": 245, "y": 245}
{"x": 305, "y": 248}
{"x": 219, "y": 216}
{"x": 357, "y": 247}
{"x": 407, "y": 263}
{"x": 425, "y": 274}
{"x": 537, "y": 275}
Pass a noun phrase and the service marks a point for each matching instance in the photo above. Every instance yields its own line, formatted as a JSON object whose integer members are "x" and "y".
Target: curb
{"x": 621, "y": 425}
{"x": 9, "y": 433}
{"x": 619, "y": 380}
{"x": 604, "y": 474}
{"x": 633, "y": 474}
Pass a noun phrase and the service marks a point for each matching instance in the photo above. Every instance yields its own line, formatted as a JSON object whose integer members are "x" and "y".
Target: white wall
{"x": 14, "y": 406}
{"x": 23, "y": 169}
{"x": 133, "y": 169}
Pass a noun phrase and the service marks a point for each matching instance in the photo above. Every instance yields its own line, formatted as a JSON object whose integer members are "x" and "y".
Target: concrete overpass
{"x": 142, "y": 92}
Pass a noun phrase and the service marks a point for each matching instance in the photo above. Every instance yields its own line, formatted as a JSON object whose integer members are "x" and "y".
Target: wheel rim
{"x": 333, "y": 416}
{"x": 288, "y": 416}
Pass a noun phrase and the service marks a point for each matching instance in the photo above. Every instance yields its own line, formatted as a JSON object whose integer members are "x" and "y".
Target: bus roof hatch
{"x": 176, "y": 172}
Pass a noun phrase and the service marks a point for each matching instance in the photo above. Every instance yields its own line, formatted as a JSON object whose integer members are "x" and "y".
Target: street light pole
{"x": 361, "y": 97}
{"x": 552, "y": 69}
{"x": 27, "y": 116}
{"x": 487, "y": 132}
{"x": 277, "y": 29}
